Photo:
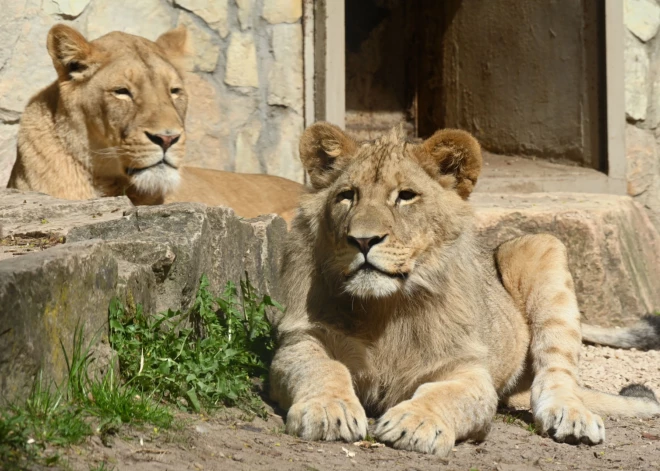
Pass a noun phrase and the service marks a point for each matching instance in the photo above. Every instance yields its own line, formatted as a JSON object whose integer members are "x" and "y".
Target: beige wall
{"x": 642, "y": 98}
{"x": 246, "y": 85}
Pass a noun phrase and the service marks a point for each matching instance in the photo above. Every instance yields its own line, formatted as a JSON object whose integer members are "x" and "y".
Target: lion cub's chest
{"x": 388, "y": 365}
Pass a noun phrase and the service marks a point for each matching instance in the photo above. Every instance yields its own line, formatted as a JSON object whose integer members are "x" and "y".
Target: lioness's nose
{"x": 365, "y": 243}
{"x": 164, "y": 140}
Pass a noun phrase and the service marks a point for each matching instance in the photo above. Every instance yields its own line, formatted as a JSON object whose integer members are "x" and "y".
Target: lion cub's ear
{"x": 324, "y": 149}
{"x": 453, "y": 157}
{"x": 71, "y": 53}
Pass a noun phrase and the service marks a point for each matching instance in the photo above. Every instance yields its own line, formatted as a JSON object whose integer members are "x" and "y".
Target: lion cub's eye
{"x": 346, "y": 196}
{"x": 406, "y": 196}
{"x": 175, "y": 90}
{"x": 122, "y": 92}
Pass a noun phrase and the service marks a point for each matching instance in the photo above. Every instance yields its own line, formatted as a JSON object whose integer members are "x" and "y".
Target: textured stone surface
{"x": 143, "y": 18}
{"x": 43, "y": 297}
{"x": 613, "y": 249}
{"x": 245, "y": 13}
{"x": 642, "y": 159}
{"x": 71, "y": 8}
{"x": 282, "y": 11}
{"x": 213, "y": 12}
{"x": 7, "y": 151}
{"x": 155, "y": 254}
{"x": 242, "y": 61}
{"x": 206, "y": 48}
{"x": 285, "y": 80}
{"x": 636, "y": 67}
{"x": 282, "y": 159}
{"x": 642, "y": 17}
{"x": 247, "y": 160}
{"x": 28, "y": 213}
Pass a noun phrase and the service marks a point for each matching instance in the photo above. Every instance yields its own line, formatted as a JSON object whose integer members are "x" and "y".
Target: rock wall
{"x": 246, "y": 77}
{"x": 156, "y": 255}
{"x": 642, "y": 97}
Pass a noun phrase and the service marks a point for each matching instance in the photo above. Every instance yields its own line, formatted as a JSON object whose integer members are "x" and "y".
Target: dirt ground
{"x": 226, "y": 442}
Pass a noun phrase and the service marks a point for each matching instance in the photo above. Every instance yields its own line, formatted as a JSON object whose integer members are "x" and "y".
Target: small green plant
{"x": 102, "y": 467}
{"x": 61, "y": 415}
{"x": 45, "y": 417}
{"x": 205, "y": 357}
{"x": 103, "y": 396}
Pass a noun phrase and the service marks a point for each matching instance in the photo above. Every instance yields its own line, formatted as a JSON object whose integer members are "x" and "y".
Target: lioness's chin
{"x": 372, "y": 284}
{"x": 160, "y": 180}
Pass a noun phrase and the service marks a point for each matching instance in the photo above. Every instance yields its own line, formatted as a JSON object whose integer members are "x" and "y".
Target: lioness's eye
{"x": 406, "y": 195}
{"x": 175, "y": 90}
{"x": 122, "y": 91}
{"x": 346, "y": 195}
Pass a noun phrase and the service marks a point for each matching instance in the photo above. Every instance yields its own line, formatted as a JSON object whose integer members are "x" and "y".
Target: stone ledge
{"x": 613, "y": 248}
{"x": 156, "y": 254}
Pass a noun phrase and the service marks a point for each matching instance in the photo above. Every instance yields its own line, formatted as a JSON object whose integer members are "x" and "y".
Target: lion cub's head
{"x": 385, "y": 213}
{"x": 126, "y": 96}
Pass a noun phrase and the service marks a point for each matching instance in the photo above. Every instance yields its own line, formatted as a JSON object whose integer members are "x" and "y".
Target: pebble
{"x": 609, "y": 369}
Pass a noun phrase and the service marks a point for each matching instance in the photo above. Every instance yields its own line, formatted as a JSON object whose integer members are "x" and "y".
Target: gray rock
{"x": 636, "y": 69}
{"x": 613, "y": 248}
{"x": 43, "y": 298}
{"x": 153, "y": 255}
{"x": 642, "y": 17}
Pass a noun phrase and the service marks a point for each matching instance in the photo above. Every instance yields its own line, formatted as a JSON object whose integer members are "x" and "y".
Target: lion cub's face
{"x": 389, "y": 208}
{"x": 132, "y": 100}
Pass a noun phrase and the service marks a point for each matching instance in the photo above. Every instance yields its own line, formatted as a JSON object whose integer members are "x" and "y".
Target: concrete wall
{"x": 519, "y": 74}
{"x": 642, "y": 98}
{"x": 246, "y": 82}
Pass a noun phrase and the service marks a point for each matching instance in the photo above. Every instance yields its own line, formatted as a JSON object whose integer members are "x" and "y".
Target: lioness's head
{"x": 126, "y": 94}
{"x": 384, "y": 213}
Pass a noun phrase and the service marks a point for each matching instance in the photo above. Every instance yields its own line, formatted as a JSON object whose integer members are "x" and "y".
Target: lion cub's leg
{"x": 460, "y": 405}
{"x": 317, "y": 390}
{"x": 534, "y": 270}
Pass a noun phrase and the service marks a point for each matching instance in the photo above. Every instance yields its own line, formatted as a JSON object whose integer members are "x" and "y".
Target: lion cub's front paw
{"x": 409, "y": 426}
{"x": 569, "y": 421}
{"x": 327, "y": 418}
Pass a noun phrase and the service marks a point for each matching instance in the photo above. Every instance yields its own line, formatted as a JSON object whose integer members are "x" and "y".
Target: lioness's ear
{"x": 71, "y": 53}
{"x": 324, "y": 148}
{"x": 174, "y": 42}
{"x": 453, "y": 157}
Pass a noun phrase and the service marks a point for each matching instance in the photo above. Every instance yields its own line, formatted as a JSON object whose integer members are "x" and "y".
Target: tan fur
{"x": 249, "y": 194}
{"x": 113, "y": 124}
{"x": 394, "y": 309}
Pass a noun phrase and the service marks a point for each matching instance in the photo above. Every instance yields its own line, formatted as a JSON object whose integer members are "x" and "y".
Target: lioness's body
{"x": 249, "y": 194}
{"x": 113, "y": 124}
{"x": 393, "y": 307}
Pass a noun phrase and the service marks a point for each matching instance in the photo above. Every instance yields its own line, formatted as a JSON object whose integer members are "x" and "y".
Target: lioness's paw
{"x": 408, "y": 426}
{"x": 327, "y": 418}
{"x": 569, "y": 421}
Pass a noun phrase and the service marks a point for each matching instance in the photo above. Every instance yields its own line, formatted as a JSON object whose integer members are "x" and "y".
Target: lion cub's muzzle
{"x": 367, "y": 263}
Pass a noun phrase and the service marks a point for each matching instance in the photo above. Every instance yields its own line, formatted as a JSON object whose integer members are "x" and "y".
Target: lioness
{"x": 113, "y": 123}
{"x": 393, "y": 308}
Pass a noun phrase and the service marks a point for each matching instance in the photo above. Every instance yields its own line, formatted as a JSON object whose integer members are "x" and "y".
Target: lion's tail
{"x": 634, "y": 400}
{"x": 644, "y": 335}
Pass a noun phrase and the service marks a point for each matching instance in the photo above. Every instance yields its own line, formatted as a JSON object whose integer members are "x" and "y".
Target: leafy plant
{"x": 60, "y": 415}
{"x": 203, "y": 358}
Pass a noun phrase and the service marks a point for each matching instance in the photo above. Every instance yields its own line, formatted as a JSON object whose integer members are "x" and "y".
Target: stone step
{"x": 613, "y": 249}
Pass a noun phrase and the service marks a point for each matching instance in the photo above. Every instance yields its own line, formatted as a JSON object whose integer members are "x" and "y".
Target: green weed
{"x": 204, "y": 358}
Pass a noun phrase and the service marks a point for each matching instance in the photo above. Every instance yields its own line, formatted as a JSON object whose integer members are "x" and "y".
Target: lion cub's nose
{"x": 163, "y": 140}
{"x": 365, "y": 243}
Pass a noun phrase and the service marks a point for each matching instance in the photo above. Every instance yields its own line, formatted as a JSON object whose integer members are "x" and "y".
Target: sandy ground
{"x": 226, "y": 442}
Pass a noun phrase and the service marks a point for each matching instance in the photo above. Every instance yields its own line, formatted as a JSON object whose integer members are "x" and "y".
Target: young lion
{"x": 393, "y": 308}
{"x": 113, "y": 123}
